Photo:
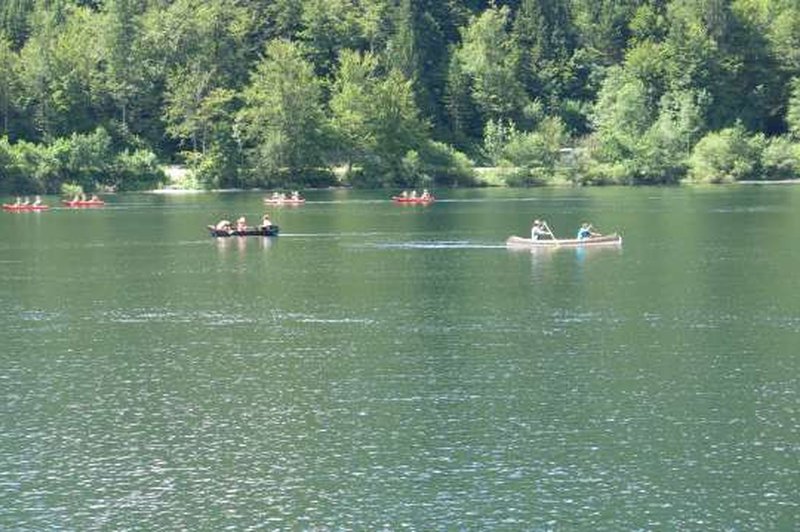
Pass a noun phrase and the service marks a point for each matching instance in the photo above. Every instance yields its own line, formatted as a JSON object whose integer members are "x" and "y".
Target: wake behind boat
{"x": 519, "y": 242}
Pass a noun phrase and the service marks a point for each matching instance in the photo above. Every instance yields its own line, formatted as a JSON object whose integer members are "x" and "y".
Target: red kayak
{"x": 16, "y": 207}
{"x": 83, "y": 203}
{"x": 414, "y": 201}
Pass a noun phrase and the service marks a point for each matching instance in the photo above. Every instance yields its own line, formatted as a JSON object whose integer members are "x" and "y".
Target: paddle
{"x": 550, "y": 231}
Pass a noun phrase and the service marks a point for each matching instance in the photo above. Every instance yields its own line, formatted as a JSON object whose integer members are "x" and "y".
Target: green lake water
{"x": 396, "y": 367}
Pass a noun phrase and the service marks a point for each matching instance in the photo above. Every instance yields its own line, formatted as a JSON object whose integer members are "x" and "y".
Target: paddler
{"x": 540, "y": 231}
{"x": 587, "y": 231}
{"x": 223, "y": 225}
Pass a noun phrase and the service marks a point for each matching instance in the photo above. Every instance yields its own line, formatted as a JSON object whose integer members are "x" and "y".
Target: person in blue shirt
{"x": 587, "y": 231}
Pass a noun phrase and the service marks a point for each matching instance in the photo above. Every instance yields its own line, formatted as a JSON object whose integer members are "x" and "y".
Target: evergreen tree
{"x": 543, "y": 32}
{"x": 121, "y": 40}
{"x": 330, "y": 26}
{"x": 8, "y": 85}
{"x": 488, "y": 55}
{"x": 15, "y": 20}
{"x": 462, "y": 117}
{"x": 793, "y": 111}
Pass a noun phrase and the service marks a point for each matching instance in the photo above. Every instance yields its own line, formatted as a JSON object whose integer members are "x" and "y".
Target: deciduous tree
{"x": 282, "y": 123}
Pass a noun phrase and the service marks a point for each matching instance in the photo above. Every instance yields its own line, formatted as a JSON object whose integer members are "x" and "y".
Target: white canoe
{"x": 606, "y": 240}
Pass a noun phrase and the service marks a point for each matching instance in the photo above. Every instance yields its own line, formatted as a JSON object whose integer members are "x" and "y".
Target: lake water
{"x": 395, "y": 367}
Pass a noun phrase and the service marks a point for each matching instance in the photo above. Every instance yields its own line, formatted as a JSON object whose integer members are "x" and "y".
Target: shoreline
{"x": 179, "y": 174}
{"x": 178, "y": 191}
{"x": 772, "y": 182}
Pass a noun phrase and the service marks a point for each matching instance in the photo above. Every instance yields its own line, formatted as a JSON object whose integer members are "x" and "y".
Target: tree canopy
{"x": 397, "y": 92}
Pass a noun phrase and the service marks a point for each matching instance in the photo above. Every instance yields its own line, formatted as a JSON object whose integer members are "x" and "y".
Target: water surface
{"x": 395, "y": 367}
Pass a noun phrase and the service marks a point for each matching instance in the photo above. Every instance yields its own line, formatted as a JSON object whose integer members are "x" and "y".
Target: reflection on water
{"x": 241, "y": 243}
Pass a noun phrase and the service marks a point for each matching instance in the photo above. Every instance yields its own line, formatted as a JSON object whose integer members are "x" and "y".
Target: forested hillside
{"x": 101, "y": 93}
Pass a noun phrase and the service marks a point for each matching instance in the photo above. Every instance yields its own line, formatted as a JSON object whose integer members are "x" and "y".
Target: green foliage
{"x": 11, "y": 179}
{"x": 395, "y": 91}
{"x": 641, "y": 139}
{"x": 134, "y": 170}
{"x": 780, "y": 159}
{"x": 545, "y": 36}
{"x": 443, "y": 165}
{"x": 282, "y": 123}
{"x": 376, "y": 121}
{"x": 352, "y": 105}
{"x": 793, "y": 111}
{"x": 86, "y": 158}
{"x": 464, "y": 122}
{"x": 85, "y": 161}
{"x": 71, "y": 190}
{"x": 488, "y": 55}
{"x": 496, "y": 135}
{"x": 534, "y": 156}
{"x": 725, "y": 156}
{"x": 781, "y": 21}
{"x": 9, "y": 84}
{"x": 661, "y": 156}
{"x": 649, "y": 23}
{"x": 15, "y": 20}
{"x": 205, "y": 45}
{"x": 329, "y": 26}
{"x": 623, "y": 113}
{"x": 603, "y": 26}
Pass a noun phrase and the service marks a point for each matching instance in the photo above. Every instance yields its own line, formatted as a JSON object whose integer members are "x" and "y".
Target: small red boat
{"x": 284, "y": 201}
{"x": 21, "y": 207}
{"x": 421, "y": 200}
{"x": 84, "y": 203}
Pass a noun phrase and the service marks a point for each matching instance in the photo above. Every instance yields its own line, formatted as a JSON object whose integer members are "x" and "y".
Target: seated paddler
{"x": 587, "y": 231}
{"x": 540, "y": 231}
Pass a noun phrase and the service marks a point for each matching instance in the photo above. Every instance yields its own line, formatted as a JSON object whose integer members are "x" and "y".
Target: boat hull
{"x": 250, "y": 231}
{"x": 526, "y": 243}
{"x": 270, "y": 201}
{"x": 413, "y": 201}
{"x": 11, "y": 207}
{"x": 83, "y": 203}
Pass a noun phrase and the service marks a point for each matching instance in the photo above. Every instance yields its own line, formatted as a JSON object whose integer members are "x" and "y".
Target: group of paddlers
{"x": 25, "y": 202}
{"x": 241, "y": 224}
{"x": 413, "y": 194}
{"x": 282, "y": 196}
{"x": 82, "y": 197}
{"x": 541, "y": 231}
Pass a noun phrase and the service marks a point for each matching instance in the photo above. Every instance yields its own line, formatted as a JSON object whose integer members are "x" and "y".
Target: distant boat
{"x": 22, "y": 207}
{"x": 419, "y": 200}
{"x": 271, "y": 230}
{"x": 284, "y": 201}
{"x": 84, "y": 203}
{"x": 606, "y": 240}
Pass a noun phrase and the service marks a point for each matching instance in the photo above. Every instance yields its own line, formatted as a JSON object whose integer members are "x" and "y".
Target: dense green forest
{"x": 103, "y": 93}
